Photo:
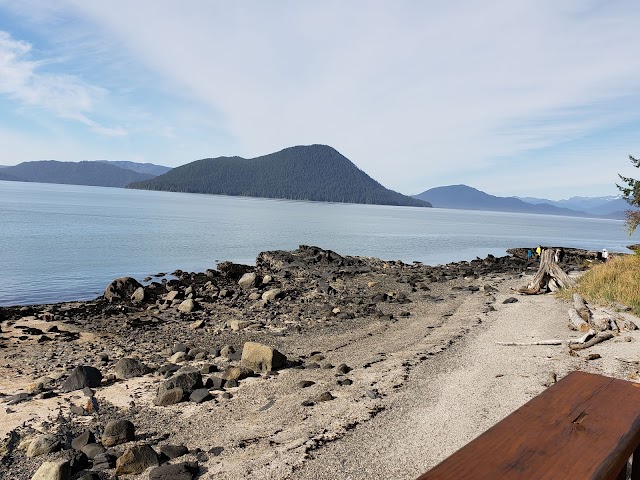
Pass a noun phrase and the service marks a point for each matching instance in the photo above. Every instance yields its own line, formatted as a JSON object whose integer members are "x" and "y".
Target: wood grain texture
{"x": 584, "y": 427}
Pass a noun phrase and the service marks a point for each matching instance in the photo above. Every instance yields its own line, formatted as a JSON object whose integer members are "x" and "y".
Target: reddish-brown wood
{"x": 584, "y": 427}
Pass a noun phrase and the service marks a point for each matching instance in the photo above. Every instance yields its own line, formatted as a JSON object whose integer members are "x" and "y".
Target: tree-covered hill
{"x": 7, "y": 177}
{"x": 314, "y": 172}
{"x": 73, "y": 173}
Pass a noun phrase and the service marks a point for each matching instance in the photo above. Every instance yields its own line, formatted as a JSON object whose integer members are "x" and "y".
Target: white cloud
{"x": 64, "y": 95}
{"x": 413, "y": 92}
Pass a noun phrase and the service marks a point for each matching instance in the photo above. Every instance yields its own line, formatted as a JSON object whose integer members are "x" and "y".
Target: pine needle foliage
{"x": 631, "y": 193}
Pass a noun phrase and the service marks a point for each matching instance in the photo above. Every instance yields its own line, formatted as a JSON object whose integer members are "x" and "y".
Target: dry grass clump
{"x": 618, "y": 280}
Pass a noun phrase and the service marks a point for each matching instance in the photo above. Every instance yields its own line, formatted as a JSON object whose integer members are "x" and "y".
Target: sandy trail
{"x": 446, "y": 403}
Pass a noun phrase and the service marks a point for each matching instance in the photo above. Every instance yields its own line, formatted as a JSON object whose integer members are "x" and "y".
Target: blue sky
{"x": 515, "y": 97}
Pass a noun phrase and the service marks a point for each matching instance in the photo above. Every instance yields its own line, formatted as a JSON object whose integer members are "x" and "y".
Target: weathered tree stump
{"x": 581, "y": 307}
{"x": 549, "y": 275}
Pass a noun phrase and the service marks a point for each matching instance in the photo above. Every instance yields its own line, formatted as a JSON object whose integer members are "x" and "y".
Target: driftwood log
{"x": 622, "y": 322}
{"x": 576, "y": 322}
{"x": 570, "y": 341}
{"x": 549, "y": 276}
{"x": 601, "y": 337}
{"x": 600, "y": 324}
{"x": 581, "y": 307}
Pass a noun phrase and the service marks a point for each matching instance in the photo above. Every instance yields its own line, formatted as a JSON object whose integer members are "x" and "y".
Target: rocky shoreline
{"x": 236, "y": 372}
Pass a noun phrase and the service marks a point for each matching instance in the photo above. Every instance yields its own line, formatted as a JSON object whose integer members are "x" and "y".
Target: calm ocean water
{"x": 67, "y": 242}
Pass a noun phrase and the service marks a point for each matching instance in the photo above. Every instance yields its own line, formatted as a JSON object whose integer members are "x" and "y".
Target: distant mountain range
{"x": 313, "y": 172}
{"x": 469, "y": 198}
{"x": 101, "y": 173}
{"x": 595, "y": 205}
{"x": 148, "y": 168}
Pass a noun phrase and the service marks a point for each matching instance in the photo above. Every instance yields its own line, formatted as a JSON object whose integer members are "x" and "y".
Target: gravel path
{"x": 448, "y": 402}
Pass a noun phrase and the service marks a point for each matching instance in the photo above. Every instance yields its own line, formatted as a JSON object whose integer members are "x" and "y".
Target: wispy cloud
{"x": 404, "y": 88}
{"x": 415, "y": 93}
{"x": 66, "y": 96}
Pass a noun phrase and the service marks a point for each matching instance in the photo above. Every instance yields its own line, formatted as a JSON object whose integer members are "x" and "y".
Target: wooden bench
{"x": 584, "y": 427}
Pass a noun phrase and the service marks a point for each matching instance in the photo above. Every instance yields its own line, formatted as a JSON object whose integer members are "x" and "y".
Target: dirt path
{"x": 446, "y": 403}
{"x": 277, "y": 441}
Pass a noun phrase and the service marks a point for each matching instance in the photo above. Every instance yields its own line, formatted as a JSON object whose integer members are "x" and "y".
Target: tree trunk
{"x": 581, "y": 307}
{"x": 576, "y": 321}
{"x": 549, "y": 270}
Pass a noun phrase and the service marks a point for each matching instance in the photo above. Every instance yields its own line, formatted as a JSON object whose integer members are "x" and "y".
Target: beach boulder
{"x": 82, "y": 376}
{"x": 136, "y": 460}
{"x": 247, "y": 281}
{"x": 188, "y": 381}
{"x": 43, "y": 445}
{"x": 258, "y": 357}
{"x": 117, "y": 432}
{"x": 53, "y": 470}
{"x": 121, "y": 289}
{"x": 129, "y": 368}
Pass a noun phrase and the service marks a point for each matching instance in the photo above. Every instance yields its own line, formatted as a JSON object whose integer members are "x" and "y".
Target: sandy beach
{"x": 390, "y": 367}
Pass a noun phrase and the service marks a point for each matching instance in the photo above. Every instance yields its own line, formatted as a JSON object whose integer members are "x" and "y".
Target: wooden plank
{"x": 584, "y": 427}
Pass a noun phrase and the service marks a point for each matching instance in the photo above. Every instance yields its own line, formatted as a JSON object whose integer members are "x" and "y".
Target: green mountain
{"x": 314, "y": 172}
{"x": 73, "y": 173}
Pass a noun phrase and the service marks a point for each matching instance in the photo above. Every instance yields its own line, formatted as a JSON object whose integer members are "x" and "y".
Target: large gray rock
{"x": 237, "y": 373}
{"x": 247, "y": 281}
{"x": 138, "y": 295}
{"x": 117, "y": 432}
{"x": 92, "y": 450}
{"x": 188, "y": 381}
{"x": 82, "y": 376}
{"x": 129, "y": 368}
{"x": 200, "y": 395}
{"x": 83, "y": 439}
{"x": 179, "y": 357}
{"x": 172, "y": 295}
{"x": 233, "y": 271}
{"x": 54, "y": 470}
{"x": 169, "y": 397}
{"x": 121, "y": 289}
{"x": 271, "y": 295}
{"x": 188, "y": 306}
{"x": 173, "y": 451}
{"x": 136, "y": 460}
{"x": 177, "y": 471}
{"x": 260, "y": 357}
{"x": 43, "y": 445}
{"x": 104, "y": 461}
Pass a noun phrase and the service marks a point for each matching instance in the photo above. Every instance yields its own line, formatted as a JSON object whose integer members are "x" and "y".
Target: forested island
{"x": 314, "y": 172}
